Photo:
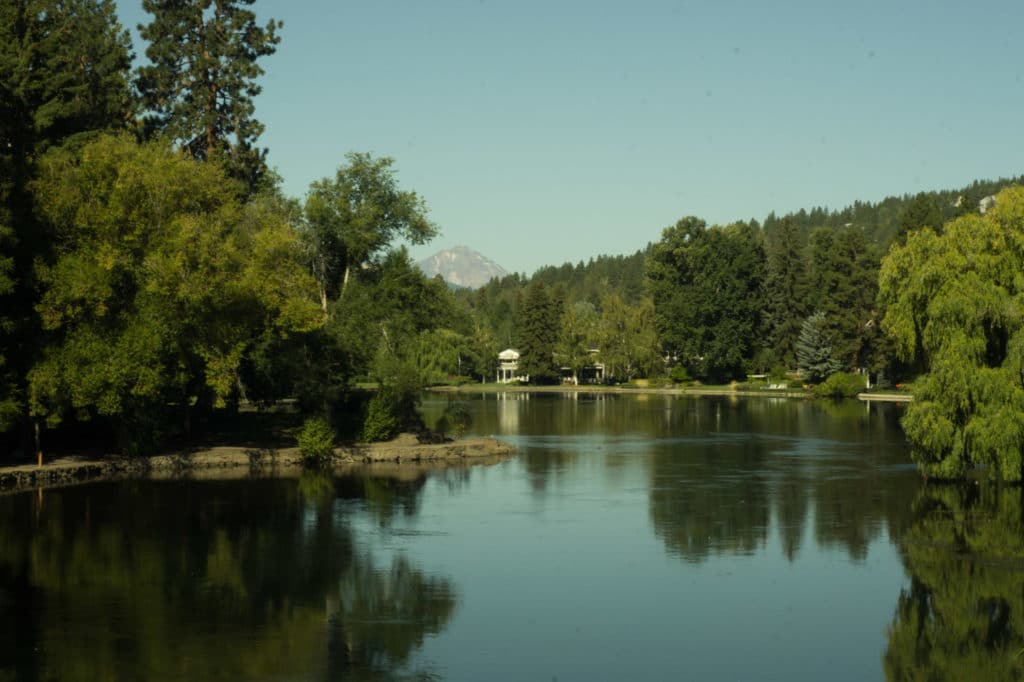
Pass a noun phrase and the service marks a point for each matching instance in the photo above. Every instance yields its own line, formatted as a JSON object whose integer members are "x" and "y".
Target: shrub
{"x": 840, "y": 385}
{"x": 316, "y": 439}
{"x": 381, "y": 421}
{"x": 680, "y": 375}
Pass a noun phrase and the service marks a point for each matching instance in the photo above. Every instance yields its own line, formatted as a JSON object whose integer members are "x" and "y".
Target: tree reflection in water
{"x": 211, "y": 581}
{"x": 737, "y": 469}
{"x": 963, "y": 616}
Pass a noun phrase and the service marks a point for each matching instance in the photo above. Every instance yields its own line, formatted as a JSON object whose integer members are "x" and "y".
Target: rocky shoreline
{"x": 232, "y": 462}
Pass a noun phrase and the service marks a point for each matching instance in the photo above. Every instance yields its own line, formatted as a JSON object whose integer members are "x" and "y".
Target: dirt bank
{"x": 228, "y": 462}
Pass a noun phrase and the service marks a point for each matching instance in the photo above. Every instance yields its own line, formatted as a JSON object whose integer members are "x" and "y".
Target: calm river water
{"x": 631, "y": 538}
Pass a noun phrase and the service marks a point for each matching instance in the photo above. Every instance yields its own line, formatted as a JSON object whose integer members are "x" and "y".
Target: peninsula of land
{"x": 234, "y": 462}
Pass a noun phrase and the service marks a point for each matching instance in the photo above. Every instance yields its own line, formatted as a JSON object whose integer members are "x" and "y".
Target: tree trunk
{"x": 39, "y": 448}
{"x": 344, "y": 281}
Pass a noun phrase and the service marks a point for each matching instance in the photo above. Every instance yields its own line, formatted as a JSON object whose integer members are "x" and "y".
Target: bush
{"x": 316, "y": 440}
{"x": 840, "y": 385}
{"x": 381, "y": 421}
{"x": 680, "y": 375}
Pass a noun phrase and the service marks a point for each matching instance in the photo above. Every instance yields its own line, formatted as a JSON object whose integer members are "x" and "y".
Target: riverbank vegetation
{"x": 153, "y": 275}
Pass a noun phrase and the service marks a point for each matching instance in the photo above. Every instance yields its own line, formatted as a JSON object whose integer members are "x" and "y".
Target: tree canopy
{"x": 706, "y": 285}
{"x": 162, "y": 282}
{"x": 199, "y": 88}
{"x": 354, "y": 217}
{"x": 955, "y": 301}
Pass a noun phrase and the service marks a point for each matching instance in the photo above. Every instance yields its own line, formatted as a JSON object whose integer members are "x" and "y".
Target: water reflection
{"x": 962, "y": 618}
{"x": 726, "y": 474}
{"x": 220, "y": 581}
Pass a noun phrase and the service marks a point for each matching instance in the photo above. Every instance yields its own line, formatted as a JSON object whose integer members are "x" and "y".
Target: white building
{"x": 508, "y": 367}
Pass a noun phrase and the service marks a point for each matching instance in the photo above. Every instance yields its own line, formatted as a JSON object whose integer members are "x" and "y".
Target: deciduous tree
{"x": 354, "y": 218}
{"x": 706, "y": 284}
{"x": 163, "y": 281}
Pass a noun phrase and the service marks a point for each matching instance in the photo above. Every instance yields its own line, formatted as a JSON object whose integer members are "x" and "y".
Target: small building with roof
{"x": 508, "y": 367}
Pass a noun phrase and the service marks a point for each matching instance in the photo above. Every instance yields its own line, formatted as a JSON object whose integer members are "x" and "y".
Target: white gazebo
{"x": 508, "y": 367}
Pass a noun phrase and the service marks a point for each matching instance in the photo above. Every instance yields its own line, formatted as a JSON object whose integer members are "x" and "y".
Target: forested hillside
{"x": 794, "y": 291}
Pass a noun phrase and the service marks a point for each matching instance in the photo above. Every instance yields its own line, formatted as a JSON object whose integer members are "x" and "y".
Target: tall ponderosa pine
{"x": 538, "y": 336}
{"x": 923, "y": 211}
{"x": 844, "y": 285}
{"x": 200, "y": 86}
{"x": 785, "y": 291}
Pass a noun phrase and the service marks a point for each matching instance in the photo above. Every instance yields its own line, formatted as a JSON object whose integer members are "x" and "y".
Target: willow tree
{"x": 956, "y": 302}
{"x": 199, "y": 87}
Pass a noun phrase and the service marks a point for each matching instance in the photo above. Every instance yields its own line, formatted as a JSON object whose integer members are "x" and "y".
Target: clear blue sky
{"x": 545, "y": 132}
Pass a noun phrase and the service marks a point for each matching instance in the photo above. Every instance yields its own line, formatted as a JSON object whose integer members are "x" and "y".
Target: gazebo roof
{"x": 508, "y": 354}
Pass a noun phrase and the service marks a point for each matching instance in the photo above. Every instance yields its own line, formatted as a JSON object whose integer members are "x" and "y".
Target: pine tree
{"x": 539, "y": 334}
{"x": 785, "y": 291}
{"x": 813, "y": 350}
{"x": 200, "y": 86}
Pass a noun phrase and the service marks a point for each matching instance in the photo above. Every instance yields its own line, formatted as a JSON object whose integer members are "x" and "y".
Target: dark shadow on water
{"x": 210, "y": 581}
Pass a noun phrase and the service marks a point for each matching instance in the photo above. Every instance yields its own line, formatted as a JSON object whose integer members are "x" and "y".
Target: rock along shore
{"x": 230, "y": 462}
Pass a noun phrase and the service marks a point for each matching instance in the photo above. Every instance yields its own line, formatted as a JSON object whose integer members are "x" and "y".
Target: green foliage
{"x": 814, "y": 350}
{"x": 162, "y": 283}
{"x": 381, "y": 418}
{"x": 680, "y": 376}
{"x": 539, "y": 335}
{"x": 579, "y": 335}
{"x": 64, "y": 77}
{"x": 10, "y": 405}
{"x": 841, "y": 385}
{"x": 65, "y": 73}
{"x": 785, "y": 291}
{"x": 628, "y": 339}
{"x": 706, "y": 285}
{"x": 201, "y": 80}
{"x": 843, "y": 272}
{"x": 953, "y": 302}
{"x": 316, "y": 439}
{"x": 354, "y": 218}
{"x": 923, "y": 212}
{"x": 778, "y": 373}
{"x": 882, "y": 221}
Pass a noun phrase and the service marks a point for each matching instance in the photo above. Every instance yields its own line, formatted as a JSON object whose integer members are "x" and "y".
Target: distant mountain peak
{"x": 462, "y": 266}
